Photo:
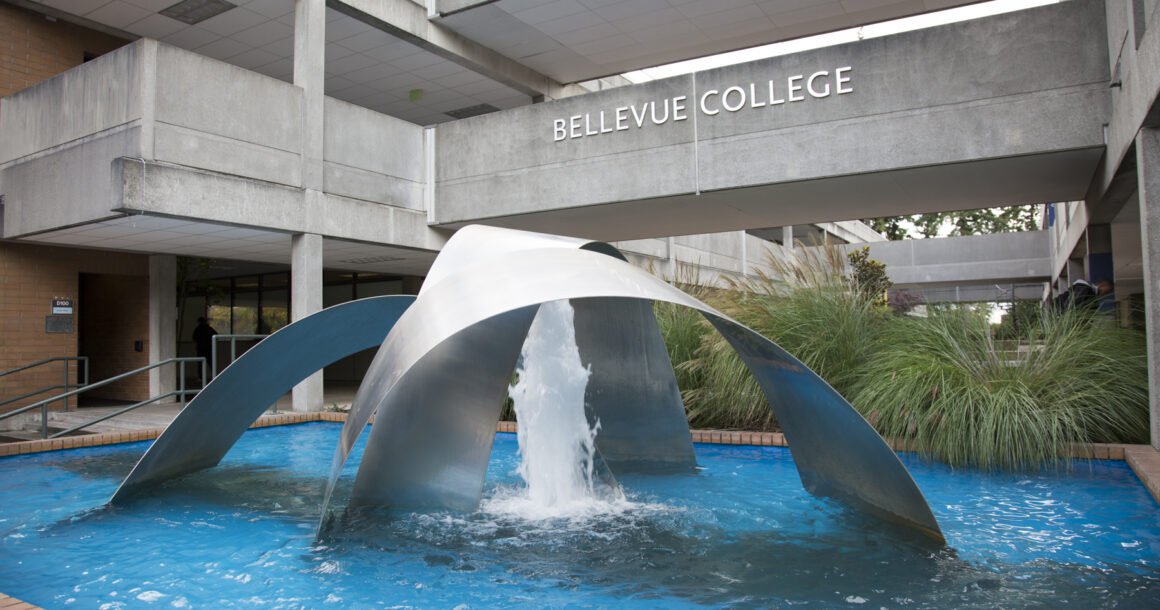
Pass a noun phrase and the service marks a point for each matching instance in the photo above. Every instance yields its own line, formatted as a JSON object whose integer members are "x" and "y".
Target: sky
{"x": 874, "y": 30}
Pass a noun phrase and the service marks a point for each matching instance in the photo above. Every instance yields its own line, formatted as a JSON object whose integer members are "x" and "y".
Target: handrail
{"x": 43, "y": 404}
{"x": 46, "y": 361}
{"x": 233, "y": 339}
{"x": 120, "y": 411}
{"x": 66, "y": 385}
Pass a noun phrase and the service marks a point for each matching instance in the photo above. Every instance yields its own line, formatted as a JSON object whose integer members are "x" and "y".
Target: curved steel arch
{"x": 483, "y": 309}
{"x": 632, "y": 389}
{"x": 214, "y": 420}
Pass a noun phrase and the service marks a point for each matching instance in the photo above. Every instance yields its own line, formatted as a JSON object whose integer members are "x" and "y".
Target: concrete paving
{"x": 335, "y": 396}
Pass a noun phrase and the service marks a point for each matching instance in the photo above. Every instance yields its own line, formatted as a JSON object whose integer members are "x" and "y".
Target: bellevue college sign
{"x": 796, "y": 88}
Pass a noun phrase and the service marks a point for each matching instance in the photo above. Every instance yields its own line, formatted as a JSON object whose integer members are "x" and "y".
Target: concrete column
{"x": 305, "y": 299}
{"x": 306, "y": 249}
{"x": 787, "y": 237}
{"x": 162, "y": 321}
{"x": 1148, "y": 172}
{"x": 310, "y": 75}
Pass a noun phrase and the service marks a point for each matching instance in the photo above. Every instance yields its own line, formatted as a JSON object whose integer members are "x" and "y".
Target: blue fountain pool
{"x": 739, "y": 532}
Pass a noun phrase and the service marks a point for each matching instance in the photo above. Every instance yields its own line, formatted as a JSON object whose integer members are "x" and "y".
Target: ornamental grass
{"x": 808, "y": 307}
{"x": 941, "y": 384}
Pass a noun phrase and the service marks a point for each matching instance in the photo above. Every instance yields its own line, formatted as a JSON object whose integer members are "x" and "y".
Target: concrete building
{"x": 325, "y": 149}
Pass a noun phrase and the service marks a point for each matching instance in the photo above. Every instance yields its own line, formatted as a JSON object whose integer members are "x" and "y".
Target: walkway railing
{"x": 233, "y": 339}
{"x": 64, "y": 386}
{"x": 181, "y": 392}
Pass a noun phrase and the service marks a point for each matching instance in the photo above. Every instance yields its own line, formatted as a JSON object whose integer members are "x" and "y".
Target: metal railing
{"x": 233, "y": 339}
{"x": 64, "y": 386}
{"x": 180, "y": 392}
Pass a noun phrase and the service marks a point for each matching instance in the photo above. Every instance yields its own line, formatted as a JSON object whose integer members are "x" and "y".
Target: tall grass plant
{"x": 807, "y": 305}
{"x": 941, "y": 384}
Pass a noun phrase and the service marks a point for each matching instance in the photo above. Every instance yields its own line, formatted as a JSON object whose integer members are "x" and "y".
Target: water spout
{"x": 558, "y": 458}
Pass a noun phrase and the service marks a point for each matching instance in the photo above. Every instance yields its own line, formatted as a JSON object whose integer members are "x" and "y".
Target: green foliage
{"x": 940, "y": 383}
{"x": 891, "y": 227}
{"x": 869, "y": 276}
{"x": 1020, "y": 320}
{"x": 968, "y": 222}
{"x": 814, "y": 313}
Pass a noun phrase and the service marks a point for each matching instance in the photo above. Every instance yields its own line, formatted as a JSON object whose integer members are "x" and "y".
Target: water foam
{"x": 556, "y": 445}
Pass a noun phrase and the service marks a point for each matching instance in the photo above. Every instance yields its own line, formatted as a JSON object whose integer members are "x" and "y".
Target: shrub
{"x": 814, "y": 313}
{"x": 940, "y": 383}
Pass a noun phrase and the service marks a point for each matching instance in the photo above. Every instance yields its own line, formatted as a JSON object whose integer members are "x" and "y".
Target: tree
{"x": 868, "y": 275}
{"x": 968, "y": 222}
{"x": 890, "y": 227}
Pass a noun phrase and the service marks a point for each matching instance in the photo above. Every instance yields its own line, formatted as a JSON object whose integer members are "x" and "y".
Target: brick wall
{"x": 33, "y": 48}
{"x": 30, "y": 277}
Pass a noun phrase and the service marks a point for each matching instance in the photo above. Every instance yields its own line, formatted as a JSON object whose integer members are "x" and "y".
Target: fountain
{"x": 436, "y": 385}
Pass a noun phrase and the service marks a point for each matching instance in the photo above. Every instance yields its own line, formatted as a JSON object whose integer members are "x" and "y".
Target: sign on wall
{"x": 768, "y": 95}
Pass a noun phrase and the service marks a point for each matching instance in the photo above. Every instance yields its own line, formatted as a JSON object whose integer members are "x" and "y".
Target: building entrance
{"x": 113, "y": 331}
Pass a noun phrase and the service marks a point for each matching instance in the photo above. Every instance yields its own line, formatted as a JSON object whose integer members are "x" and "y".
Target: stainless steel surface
{"x": 431, "y": 440}
{"x": 214, "y": 420}
{"x": 632, "y": 390}
{"x": 462, "y": 316}
{"x": 438, "y": 378}
{"x": 419, "y": 459}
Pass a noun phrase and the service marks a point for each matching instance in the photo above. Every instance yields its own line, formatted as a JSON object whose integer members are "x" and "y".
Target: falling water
{"x": 556, "y": 444}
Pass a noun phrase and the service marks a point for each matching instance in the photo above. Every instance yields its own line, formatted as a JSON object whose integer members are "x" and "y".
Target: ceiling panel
{"x": 658, "y": 31}
{"x": 568, "y": 40}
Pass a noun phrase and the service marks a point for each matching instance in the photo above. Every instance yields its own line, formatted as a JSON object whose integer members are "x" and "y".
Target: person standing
{"x": 203, "y": 336}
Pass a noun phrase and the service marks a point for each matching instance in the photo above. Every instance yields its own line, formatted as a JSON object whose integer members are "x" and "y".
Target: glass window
{"x": 380, "y": 288}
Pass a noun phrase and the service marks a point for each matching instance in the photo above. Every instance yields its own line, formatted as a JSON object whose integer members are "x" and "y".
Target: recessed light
{"x": 371, "y": 259}
{"x": 195, "y": 11}
{"x": 469, "y": 111}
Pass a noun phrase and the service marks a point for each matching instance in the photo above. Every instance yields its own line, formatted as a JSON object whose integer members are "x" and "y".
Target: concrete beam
{"x": 167, "y": 190}
{"x": 409, "y": 21}
{"x": 446, "y": 7}
{"x": 1133, "y": 54}
{"x": 1001, "y": 258}
{"x": 886, "y": 129}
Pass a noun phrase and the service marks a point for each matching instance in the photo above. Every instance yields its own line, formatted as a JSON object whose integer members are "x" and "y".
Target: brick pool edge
{"x": 1143, "y": 459}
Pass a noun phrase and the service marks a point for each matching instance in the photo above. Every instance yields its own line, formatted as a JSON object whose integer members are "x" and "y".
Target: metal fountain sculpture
{"x": 445, "y": 360}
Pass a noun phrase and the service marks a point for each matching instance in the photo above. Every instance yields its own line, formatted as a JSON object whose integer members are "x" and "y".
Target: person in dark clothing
{"x": 203, "y": 338}
{"x": 1084, "y": 294}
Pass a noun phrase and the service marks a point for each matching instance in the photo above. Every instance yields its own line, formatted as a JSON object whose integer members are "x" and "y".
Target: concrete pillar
{"x": 305, "y": 299}
{"x": 306, "y": 249}
{"x": 787, "y": 237}
{"x": 1148, "y": 172}
{"x": 310, "y": 75}
{"x": 162, "y": 321}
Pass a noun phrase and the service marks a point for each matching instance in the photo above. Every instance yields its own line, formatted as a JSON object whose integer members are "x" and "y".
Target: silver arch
{"x": 214, "y": 420}
{"x": 424, "y": 460}
{"x": 470, "y": 315}
{"x": 632, "y": 390}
